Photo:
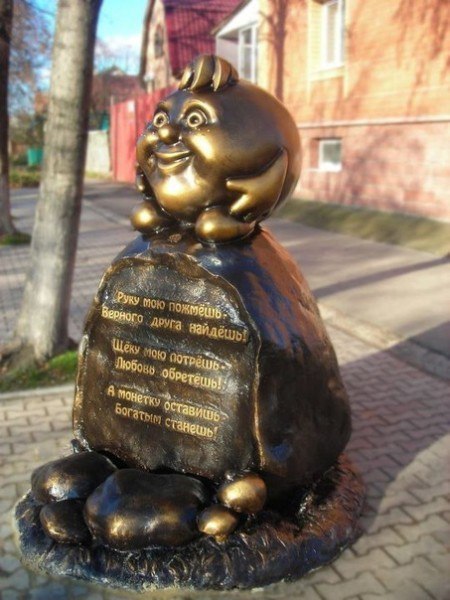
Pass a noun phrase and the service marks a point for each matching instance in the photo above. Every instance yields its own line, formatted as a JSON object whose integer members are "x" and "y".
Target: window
{"x": 326, "y": 41}
{"x": 159, "y": 42}
{"x": 332, "y": 37}
{"x": 248, "y": 53}
{"x": 330, "y": 152}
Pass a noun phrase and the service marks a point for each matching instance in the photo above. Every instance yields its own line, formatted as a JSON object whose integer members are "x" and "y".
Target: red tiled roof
{"x": 189, "y": 24}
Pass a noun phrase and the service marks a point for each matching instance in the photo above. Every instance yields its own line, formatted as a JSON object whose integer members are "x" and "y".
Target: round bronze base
{"x": 310, "y": 531}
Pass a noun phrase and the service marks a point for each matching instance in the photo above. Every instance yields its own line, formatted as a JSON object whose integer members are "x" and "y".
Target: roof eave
{"x": 228, "y": 18}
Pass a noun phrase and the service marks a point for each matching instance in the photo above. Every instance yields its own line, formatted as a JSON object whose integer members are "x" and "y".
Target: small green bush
{"x": 20, "y": 160}
{"x": 15, "y": 239}
{"x": 21, "y": 177}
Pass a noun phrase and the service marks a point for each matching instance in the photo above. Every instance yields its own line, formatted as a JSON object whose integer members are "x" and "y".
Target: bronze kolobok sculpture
{"x": 210, "y": 416}
{"x": 220, "y": 153}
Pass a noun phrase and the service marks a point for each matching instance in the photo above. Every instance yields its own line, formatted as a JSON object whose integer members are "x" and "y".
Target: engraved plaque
{"x": 168, "y": 369}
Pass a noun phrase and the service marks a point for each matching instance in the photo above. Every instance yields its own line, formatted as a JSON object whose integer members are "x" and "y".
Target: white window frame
{"x": 338, "y": 50}
{"x": 325, "y": 165}
{"x": 254, "y": 51}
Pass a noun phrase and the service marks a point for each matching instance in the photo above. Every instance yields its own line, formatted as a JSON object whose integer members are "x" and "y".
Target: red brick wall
{"x": 396, "y": 71}
{"x": 391, "y": 167}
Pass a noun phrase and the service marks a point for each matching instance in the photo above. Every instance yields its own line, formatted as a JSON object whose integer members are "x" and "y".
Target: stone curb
{"x": 406, "y": 350}
{"x": 42, "y": 391}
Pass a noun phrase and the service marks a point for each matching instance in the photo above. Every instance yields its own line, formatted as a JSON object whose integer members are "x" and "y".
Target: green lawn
{"x": 419, "y": 233}
{"x": 58, "y": 370}
{"x": 14, "y": 239}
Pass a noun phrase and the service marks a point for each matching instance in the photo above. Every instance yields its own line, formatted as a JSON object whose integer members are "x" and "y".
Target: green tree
{"x": 31, "y": 42}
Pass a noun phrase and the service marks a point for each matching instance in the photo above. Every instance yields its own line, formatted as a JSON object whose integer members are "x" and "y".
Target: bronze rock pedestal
{"x": 167, "y": 393}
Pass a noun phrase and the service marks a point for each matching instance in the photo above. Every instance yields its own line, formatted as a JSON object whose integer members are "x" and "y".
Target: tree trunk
{"x": 42, "y": 327}
{"x": 6, "y": 16}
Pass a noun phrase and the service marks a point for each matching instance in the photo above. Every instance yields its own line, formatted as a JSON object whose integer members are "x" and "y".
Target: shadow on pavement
{"x": 428, "y": 338}
{"x": 340, "y": 286}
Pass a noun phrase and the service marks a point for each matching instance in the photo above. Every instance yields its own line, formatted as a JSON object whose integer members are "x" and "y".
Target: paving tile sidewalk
{"x": 401, "y": 443}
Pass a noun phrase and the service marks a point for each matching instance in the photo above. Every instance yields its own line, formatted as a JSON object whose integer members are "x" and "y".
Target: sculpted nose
{"x": 168, "y": 134}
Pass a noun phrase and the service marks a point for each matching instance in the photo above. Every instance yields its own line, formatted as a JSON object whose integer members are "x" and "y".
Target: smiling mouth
{"x": 171, "y": 158}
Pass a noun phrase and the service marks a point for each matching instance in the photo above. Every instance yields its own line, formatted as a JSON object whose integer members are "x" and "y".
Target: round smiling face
{"x": 199, "y": 140}
{"x": 178, "y": 154}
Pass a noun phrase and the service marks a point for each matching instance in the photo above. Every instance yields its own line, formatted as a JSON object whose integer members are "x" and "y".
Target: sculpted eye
{"x": 196, "y": 118}
{"x": 161, "y": 118}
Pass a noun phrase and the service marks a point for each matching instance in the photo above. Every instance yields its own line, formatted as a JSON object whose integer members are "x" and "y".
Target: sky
{"x": 119, "y": 27}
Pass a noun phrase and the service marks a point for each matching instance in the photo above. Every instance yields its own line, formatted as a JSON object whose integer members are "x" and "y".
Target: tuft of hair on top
{"x": 208, "y": 71}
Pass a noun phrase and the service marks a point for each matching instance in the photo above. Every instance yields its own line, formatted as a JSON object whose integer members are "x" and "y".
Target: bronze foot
{"x": 216, "y": 225}
{"x": 147, "y": 218}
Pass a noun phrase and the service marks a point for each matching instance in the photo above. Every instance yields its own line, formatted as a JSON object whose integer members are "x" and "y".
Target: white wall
{"x": 227, "y": 49}
{"x": 98, "y": 159}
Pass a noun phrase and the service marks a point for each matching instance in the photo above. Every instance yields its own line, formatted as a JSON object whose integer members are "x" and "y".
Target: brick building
{"x": 112, "y": 85}
{"x": 368, "y": 83}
